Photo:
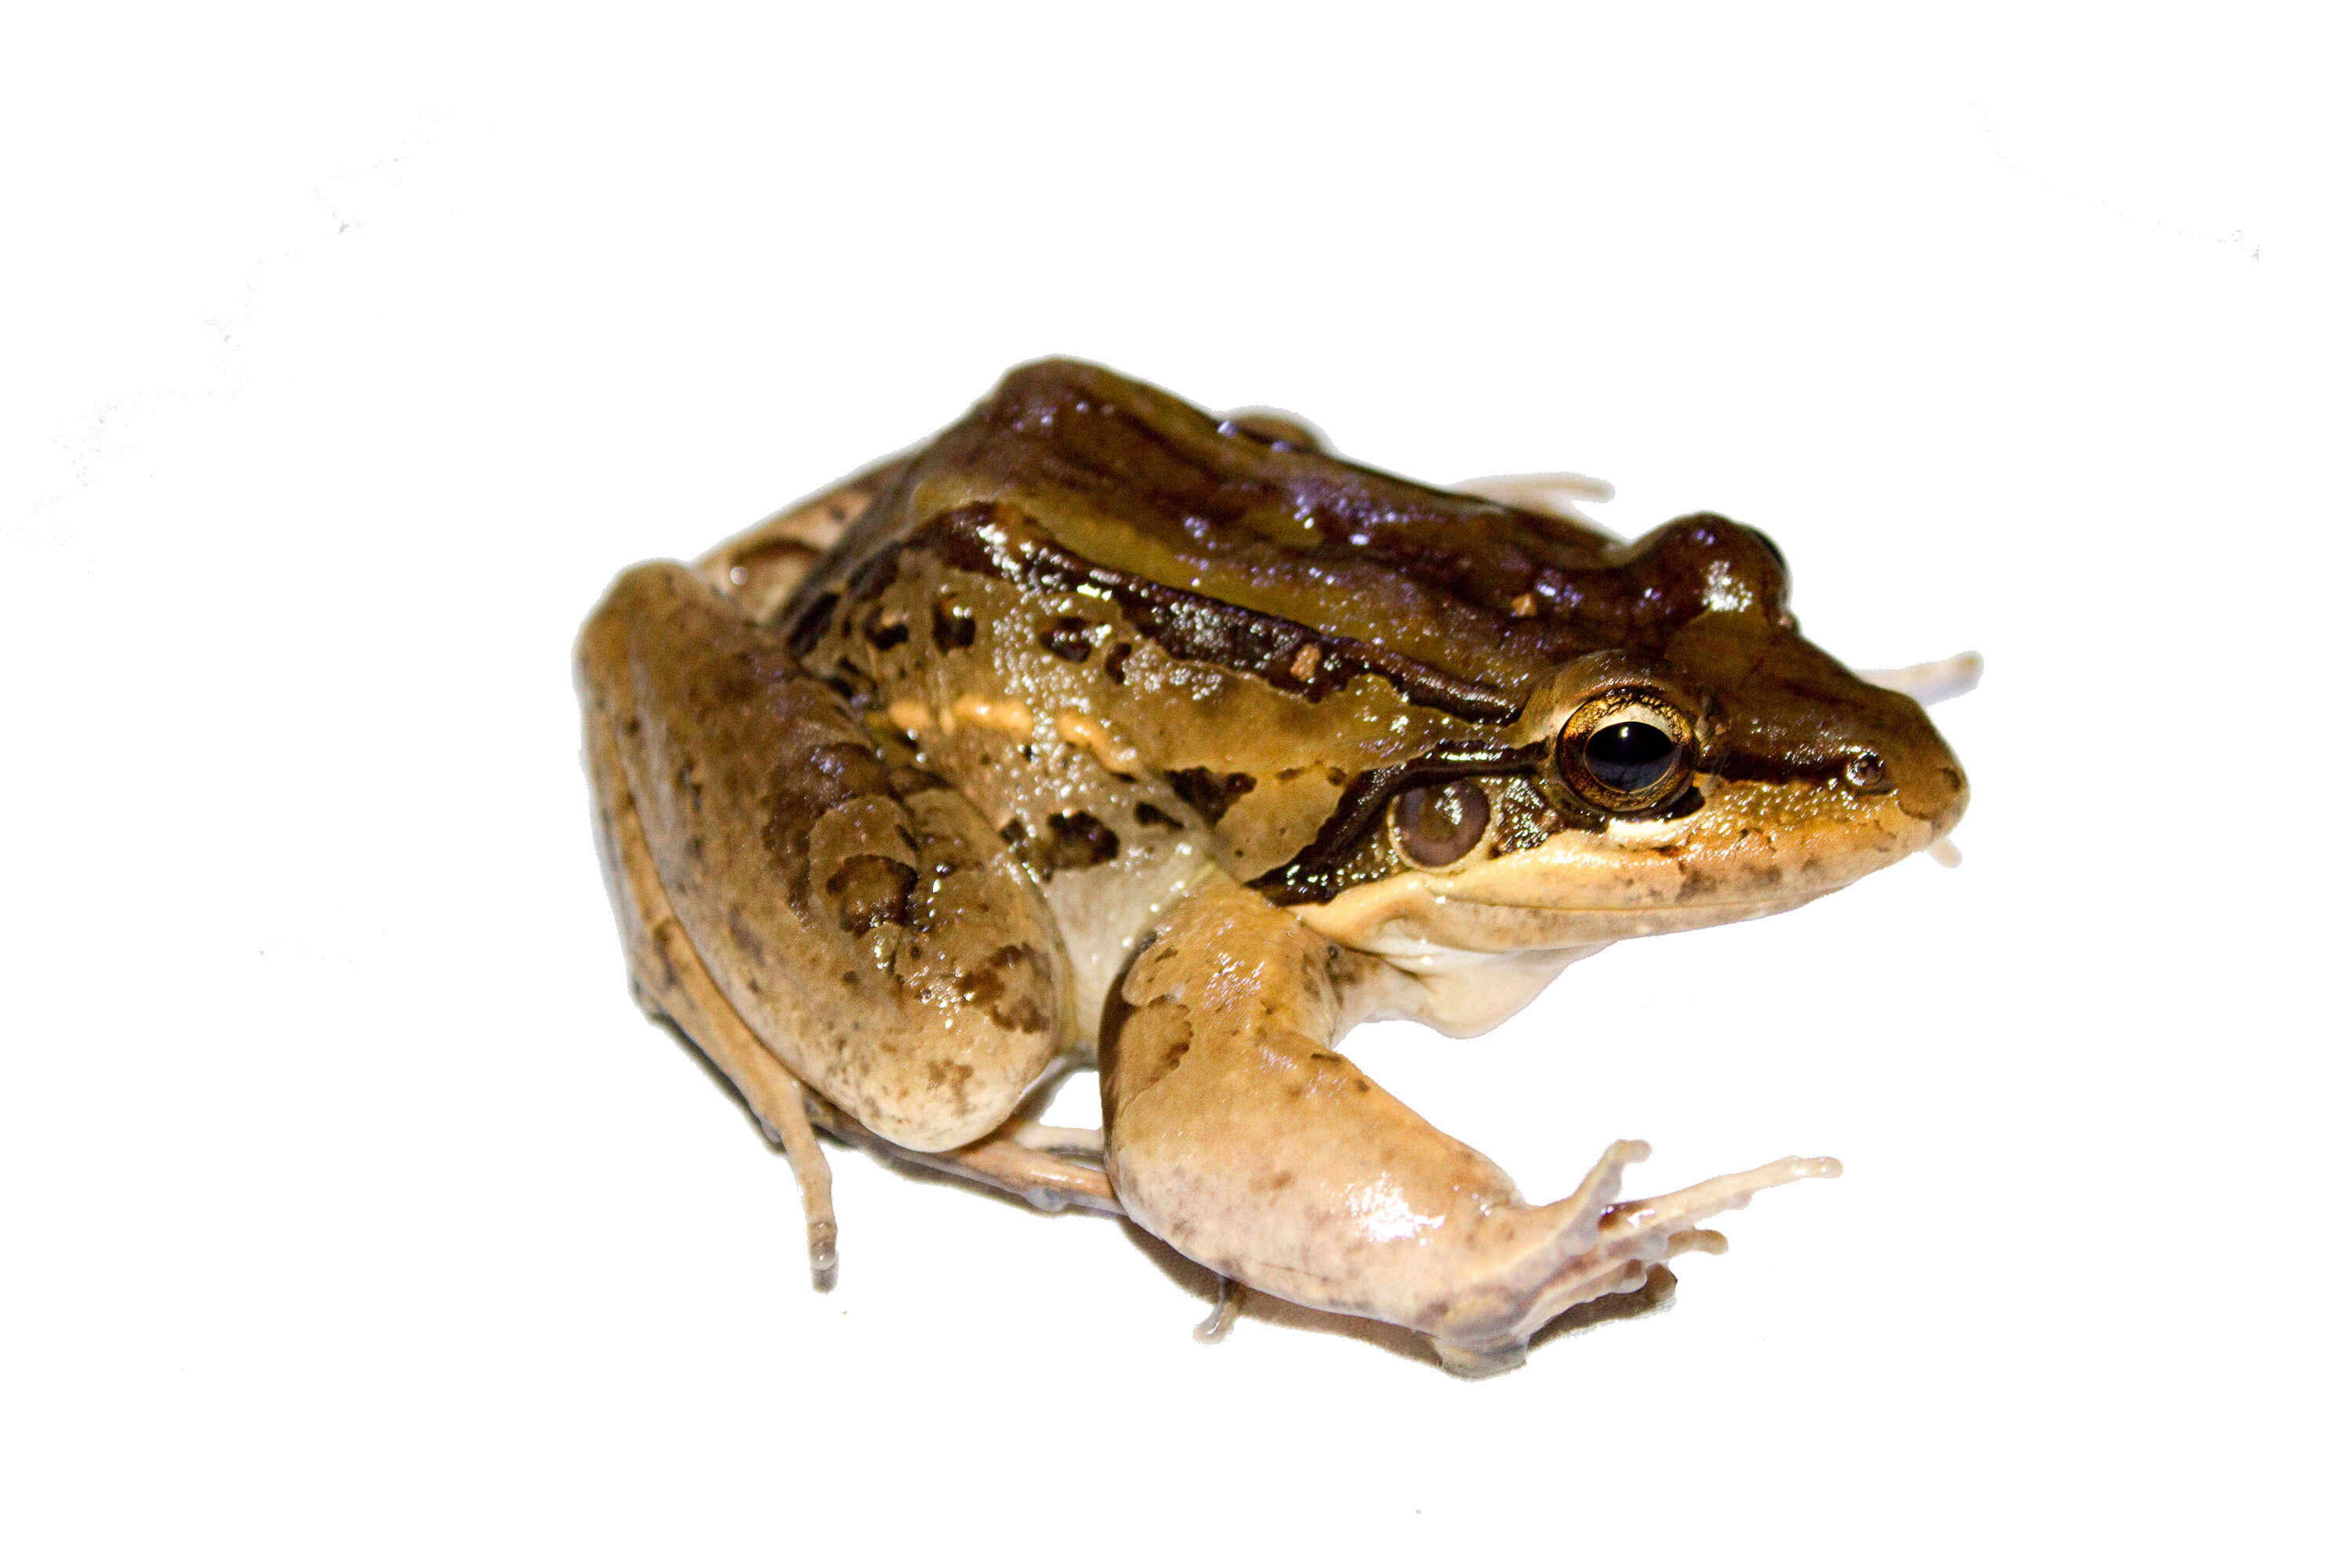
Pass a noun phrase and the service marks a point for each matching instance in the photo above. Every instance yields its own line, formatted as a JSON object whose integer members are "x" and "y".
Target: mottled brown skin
{"x": 1099, "y": 718}
{"x": 863, "y": 919}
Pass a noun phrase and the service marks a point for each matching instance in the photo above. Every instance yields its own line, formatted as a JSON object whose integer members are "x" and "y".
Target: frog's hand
{"x": 1236, "y": 1134}
{"x": 862, "y": 921}
{"x": 1928, "y": 684}
{"x": 1549, "y": 495}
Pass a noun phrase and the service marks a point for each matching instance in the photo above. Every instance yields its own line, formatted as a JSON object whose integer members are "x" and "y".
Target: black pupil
{"x": 1630, "y": 757}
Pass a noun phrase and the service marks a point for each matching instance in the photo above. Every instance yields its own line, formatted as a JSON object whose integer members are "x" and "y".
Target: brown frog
{"x": 1100, "y": 729}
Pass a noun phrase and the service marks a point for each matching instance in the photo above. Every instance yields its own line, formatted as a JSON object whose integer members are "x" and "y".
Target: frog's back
{"x": 1145, "y": 641}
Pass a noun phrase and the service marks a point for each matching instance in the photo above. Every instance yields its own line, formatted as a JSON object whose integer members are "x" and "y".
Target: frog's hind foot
{"x": 1231, "y": 1295}
{"x": 1022, "y": 1158}
{"x": 1007, "y": 1160}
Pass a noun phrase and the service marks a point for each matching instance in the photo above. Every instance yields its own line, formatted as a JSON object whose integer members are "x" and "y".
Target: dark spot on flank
{"x": 952, "y": 626}
{"x": 1695, "y": 884}
{"x": 1080, "y": 840}
{"x": 1068, "y": 637}
{"x": 886, "y": 628}
{"x": 1014, "y": 832}
{"x": 1114, "y": 662}
{"x": 870, "y": 890}
{"x": 1149, "y": 815}
{"x": 1211, "y": 794}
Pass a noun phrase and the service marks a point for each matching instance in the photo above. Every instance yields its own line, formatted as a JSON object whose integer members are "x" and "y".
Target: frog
{"x": 1103, "y": 732}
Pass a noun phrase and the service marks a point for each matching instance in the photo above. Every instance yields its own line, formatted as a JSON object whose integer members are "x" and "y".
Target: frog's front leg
{"x": 1235, "y": 1133}
{"x": 803, "y": 909}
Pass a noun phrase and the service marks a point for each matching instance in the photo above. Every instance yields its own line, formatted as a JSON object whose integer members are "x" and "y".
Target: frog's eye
{"x": 1625, "y": 751}
{"x": 1436, "y": 824}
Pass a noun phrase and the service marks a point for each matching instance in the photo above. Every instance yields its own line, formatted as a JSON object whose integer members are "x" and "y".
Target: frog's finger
{"x": 1939, "y": 681}
{"x": 1551, "y": 495}
{"x": 1642, "y": 1231}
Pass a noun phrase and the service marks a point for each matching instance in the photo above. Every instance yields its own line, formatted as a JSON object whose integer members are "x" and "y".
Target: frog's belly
{"x": 1104, "y": 911}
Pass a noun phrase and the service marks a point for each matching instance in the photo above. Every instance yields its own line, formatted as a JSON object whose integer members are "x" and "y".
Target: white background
{"x": 350, "y": 1211}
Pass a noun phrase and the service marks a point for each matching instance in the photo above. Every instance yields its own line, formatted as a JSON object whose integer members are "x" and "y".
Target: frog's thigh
{"x": 865, "y": 922}
{"x": 1235, "y": 1133}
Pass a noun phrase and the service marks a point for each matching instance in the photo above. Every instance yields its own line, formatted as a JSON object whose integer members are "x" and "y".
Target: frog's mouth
{"x": 1754, "y": 849}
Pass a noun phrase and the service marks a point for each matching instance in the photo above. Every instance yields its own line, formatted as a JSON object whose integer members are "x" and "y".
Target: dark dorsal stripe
{"x": 1314, "y": 873}
{"x": 1001, "y": 542}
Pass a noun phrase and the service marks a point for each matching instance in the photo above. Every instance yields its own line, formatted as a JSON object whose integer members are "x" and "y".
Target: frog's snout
{"x": 1924, "y": 777}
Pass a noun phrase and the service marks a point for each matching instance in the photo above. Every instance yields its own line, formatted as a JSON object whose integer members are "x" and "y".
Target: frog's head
{"x": 1704, "y": 763}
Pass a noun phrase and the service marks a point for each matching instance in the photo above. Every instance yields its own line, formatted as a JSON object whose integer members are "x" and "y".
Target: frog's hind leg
{"x": 810, "y": 908}
{"x": 1021, "y": 1157}
{"x": 1235, "y": 1133}
{"x": 671, "y": 982}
